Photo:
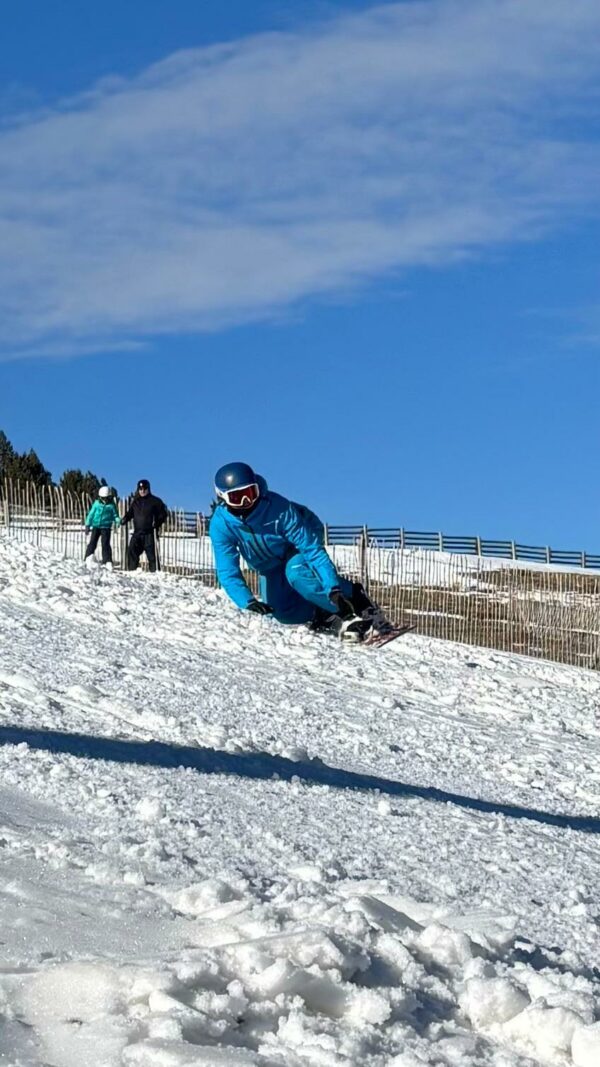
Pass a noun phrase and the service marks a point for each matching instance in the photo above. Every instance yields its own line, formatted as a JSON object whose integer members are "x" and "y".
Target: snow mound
{"x": 274, "y": 987}
{"x": 224, "y": 842}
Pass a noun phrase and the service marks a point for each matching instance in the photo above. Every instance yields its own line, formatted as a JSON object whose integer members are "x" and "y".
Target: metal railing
{"x": 496, "y": 594}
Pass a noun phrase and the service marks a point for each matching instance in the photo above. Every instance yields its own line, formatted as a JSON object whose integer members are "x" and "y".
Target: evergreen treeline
{"x": 28, "y": 467}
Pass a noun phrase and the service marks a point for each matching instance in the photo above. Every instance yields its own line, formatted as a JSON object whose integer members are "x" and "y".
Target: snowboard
{"x": 378, "y": 640}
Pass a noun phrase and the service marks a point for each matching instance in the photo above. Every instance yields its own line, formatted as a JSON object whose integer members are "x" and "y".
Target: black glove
{"x": 259, "y": 608}
{"x": 342, "y": 605}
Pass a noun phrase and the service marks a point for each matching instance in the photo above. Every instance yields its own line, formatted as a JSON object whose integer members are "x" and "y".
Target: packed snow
{"x": 225, "y": 842}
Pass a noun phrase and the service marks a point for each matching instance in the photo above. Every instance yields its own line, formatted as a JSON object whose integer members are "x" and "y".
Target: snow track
{"x": 225, "y": 842}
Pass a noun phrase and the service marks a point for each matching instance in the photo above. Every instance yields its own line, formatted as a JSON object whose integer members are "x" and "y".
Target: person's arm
{"x": 116, "y": 517}
{"x": 161, "y": 514}
{"x": 90, "y": 515}
{"x": 127, "y": 517}
{"x": 306, "y": 538}
{"x": 227, "y": 559}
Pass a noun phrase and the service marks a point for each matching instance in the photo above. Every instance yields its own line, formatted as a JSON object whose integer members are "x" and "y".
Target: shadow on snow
{"x": 262, "y": 765}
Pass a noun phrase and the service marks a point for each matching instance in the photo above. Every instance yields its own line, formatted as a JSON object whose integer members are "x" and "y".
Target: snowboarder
{"x": 100, "y": 519}
{"x": 149, "y": 513}
{"x": 283, "y": 541}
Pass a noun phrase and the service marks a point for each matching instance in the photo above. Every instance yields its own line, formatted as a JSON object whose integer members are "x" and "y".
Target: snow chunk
{"x": 585, "y": 1047}
{"x": 382, "y": 915}
{"x": 81, "y": 991}
{"x": 86, "y": 694}
{"x": 76, "y": 1008}
{"x": 320, "y": 994}
{"x": 450, "y": 948}
{"x": 19, "y": 681}
{"x": 150, "y": 809}
{"x": 202, "y": 897}
{"x": 407, "y": 1059}
{"x": 492, "y": 1000}
{"x": 308, "y": 872}
{"x": 543, "y": 1031}
{"x": 295, "y": 753}
{"x": 178, "y": 1054}
{"x": 368, "y": 1006}
{"x": 165, "y": 1028}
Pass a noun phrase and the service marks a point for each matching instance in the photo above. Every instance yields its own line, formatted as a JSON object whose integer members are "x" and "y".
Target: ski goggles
{"x": 244, "y": 497}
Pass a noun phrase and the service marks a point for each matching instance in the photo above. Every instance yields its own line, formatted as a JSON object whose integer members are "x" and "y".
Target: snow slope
{"x": 225, "y": 842}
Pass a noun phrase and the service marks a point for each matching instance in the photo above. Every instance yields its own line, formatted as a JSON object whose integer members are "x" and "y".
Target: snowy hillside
{"x": 227, "y": 843}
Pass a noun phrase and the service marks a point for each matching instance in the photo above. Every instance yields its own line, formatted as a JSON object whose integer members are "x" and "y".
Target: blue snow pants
{"x": 294, "y": 591}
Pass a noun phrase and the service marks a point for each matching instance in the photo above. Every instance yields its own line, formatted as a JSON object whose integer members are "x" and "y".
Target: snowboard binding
{"x": 358, "y": 619}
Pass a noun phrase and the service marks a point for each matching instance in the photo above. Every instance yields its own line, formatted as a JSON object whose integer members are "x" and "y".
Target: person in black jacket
{"x": 148, "y": 513}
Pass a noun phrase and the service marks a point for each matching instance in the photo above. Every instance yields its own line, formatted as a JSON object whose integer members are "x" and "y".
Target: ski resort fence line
{"x": 499, "y": 594}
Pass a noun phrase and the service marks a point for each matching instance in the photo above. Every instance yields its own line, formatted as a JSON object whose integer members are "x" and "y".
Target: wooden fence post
{"x": 363, "y": 545}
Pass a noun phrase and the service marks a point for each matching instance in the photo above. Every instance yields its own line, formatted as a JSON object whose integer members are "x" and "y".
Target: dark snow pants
{"x": 142, "y": 542}
{"x": 97, "y": 535}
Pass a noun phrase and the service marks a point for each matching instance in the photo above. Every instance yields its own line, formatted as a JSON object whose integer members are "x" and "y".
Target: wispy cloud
{"x": 224, "y": 184}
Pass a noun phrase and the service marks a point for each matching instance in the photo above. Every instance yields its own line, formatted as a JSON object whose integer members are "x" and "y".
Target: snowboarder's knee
{"x": 297, "y": 570}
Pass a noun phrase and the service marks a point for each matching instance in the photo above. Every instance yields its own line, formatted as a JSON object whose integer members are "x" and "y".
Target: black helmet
{"x": 236, "y": 484}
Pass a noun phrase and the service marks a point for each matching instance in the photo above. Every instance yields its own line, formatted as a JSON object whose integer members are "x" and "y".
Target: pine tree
{"x": 21, "y": 466}
{"x": 6, "y": 454}
{"x": 80, "y": 483}
{"x": 27, "y": 467}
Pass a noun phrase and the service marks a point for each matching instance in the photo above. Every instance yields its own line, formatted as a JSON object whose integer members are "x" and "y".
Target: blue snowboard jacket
{"x": 266, "y": 538}
{"x": 101, "y": 516}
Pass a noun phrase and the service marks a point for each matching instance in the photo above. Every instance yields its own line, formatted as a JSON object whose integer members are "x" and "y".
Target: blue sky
{"x": 355, "y": 245}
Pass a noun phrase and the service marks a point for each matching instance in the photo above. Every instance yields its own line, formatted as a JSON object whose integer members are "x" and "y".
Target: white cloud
{"x": 227, "y": 183}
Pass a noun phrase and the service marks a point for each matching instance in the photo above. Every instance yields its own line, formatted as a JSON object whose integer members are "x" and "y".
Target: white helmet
{"x": 104, "y": 492}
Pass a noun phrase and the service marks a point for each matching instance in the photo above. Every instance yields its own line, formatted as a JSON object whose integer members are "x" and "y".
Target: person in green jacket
{"x": 100, "y": 519}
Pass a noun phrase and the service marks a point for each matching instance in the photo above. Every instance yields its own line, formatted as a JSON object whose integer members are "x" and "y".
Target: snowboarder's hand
{"x": 337, "y": 597}
{"x": 259, "y": 608}
{"x": 341, "y": 603}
